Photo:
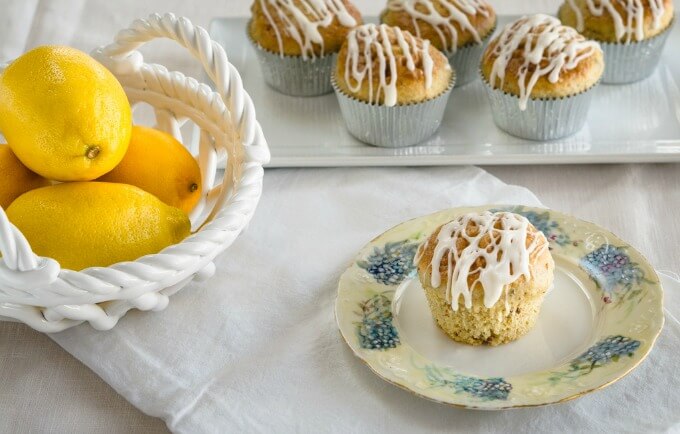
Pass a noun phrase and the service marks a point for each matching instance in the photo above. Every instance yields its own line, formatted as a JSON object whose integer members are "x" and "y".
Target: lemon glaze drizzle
{"x": 506, "y": 257}
{"x": 371, "y": 42}
{"x": 625, "y": 27}
{"x": 546, "y": 44}
{"x": 457, "y": 11}
{"x": 303, "y": 23}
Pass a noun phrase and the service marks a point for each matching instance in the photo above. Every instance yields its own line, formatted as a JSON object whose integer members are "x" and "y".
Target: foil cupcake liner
{"x": 465, "y": 61}
{"x": 294, "y": 75}
{"x": 543, "y": 119}
{"x": 393, "y": 127}
{"x": 635, "y": 61}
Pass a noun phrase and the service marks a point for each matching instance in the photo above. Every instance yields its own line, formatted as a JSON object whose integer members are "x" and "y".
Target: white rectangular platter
{"x": 639, "y": 122}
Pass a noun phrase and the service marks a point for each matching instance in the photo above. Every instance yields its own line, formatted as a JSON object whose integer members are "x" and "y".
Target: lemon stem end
{"x": 92, "y": 152}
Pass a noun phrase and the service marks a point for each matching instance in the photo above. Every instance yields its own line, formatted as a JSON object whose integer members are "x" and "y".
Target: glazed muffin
{"x": 392, "y": 86}
{"x": 485, "y": 276}
{"x": 297, "y": 41}
{"x": 616, "y": 21}
{"x": 538, "y": 75}
{"x": 458, "y": 28}
{"x": 632, "y": 33}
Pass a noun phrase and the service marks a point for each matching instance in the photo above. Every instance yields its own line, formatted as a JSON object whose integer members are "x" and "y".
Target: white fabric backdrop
{"x": 246, "y": 374}
{"x": 257, "y": 347}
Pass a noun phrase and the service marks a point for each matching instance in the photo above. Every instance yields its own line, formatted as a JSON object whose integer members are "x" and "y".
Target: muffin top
{"x": 447, "y": 24}
{"x": 307, "y": 28}
{"x": 379, "y": 64}
{"x": 486, "y": 251}
{"x": 538, "y": 57}
{"x": 622, "y": 21}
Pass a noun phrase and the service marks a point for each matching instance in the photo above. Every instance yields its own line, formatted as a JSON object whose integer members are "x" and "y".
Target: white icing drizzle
{"x": 628, "y": 25}
{"x": 302, "y": 19}
{"x": 546, "y": 45}
{"x": 370, "y": 49}
{"x": 457, "y": 11}
{"x": 507, "y": 256}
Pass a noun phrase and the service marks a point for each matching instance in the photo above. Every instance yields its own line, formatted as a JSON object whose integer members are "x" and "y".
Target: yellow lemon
{"x": 15, "y": 178}
{"x": 160, "y": 165}
{"x": 88, "y": 224}
{"x": 64, "y": 115}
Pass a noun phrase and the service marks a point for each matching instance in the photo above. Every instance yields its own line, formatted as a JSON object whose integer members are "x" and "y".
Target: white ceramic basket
{"x": 38, "y": 292}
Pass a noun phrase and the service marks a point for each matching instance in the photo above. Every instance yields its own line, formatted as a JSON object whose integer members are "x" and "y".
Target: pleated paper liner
{"x": 393, "y": 127}
{"x": 543, "y": 119}
{"x": 634, "y": 61}
{"x": 465, "y": 60}
{"x": 294, "y": 75}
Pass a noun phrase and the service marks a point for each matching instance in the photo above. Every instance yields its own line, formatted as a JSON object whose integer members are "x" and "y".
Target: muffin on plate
{"x": 538, "y": 75}
{"x": 297, "y": 41}
{"x": 458, "y": 28}
{"x": 392, "y": 86}
{"x": 632, "y": 33}
{"x": 485, "y": 276}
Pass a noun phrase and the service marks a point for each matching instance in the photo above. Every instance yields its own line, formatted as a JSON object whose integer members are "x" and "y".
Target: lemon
{"x": 15, "y": 178}
{"x": 64, "y": 115}
{"x": 88, "y": 224}
{"x": 160, "y": 165}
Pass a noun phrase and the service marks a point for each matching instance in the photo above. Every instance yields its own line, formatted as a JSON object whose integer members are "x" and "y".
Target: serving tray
{"x": 639, "y": 122}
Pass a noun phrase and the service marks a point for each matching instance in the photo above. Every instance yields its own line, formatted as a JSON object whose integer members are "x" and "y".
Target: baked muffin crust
{"x": 447, "y": 24}
{"x": 379, "y": 64}
{"x": 616, "y": 20}
{"x": 307, "y": 28}
{"x": 537, "y": 57}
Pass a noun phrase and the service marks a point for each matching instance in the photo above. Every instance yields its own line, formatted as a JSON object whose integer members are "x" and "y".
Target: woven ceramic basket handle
{"x": 124, "y": 59}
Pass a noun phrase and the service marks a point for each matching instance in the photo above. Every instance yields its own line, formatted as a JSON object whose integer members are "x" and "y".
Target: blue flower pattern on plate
{"x": 611, "y": 348}
{"x": 611, "y": 268}
{"x": 391, "y": 264}
{"x": 608, "y": 350}
{"x": 488, "y": 389}
{"x": 376, "y": 331}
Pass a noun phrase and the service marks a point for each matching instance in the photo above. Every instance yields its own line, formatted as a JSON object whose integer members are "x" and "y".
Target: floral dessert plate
{"x": 596, "y": 325}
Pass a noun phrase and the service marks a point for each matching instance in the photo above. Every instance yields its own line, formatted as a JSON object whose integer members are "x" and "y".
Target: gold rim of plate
{"x": 626, "y": 289}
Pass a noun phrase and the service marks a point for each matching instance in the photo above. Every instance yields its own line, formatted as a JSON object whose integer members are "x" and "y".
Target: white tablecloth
{"x": 46, "y": 390}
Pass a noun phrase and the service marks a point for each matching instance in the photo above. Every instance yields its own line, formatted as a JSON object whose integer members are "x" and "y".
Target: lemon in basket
{"x": 16, "y": 178}
{"x": 87, "y": 224}
{"x": 160, "y": 165}
{"x": 64, "y": 115}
